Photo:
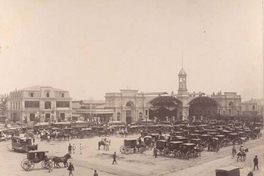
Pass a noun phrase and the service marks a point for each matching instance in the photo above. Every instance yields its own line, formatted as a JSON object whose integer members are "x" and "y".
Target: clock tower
{"x": 182, "y": 83}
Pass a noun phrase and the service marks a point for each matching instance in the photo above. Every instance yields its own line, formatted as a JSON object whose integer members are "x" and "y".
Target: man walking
{"x": 70, "y": 169}
{"x": 255, "y": 160}
{"x": 95, "y": 173}
{"x": 114, "y": 158}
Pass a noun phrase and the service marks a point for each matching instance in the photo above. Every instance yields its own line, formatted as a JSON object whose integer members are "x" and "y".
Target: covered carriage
{"x": 34, "y": 157}
{"x": 213, "y": 144}
{"x": 186, "y": 150}
{"x": 131, "y": 146}
{"x": 173, "y": 148}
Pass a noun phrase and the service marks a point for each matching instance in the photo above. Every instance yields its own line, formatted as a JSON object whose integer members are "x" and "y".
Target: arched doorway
{"x": 129, "y": 108}
{"x": 202, "y": 106}
{"x": 165, "y": 108}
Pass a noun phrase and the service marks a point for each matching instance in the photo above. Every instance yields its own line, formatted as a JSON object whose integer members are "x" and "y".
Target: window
{"x": 140, "y": 116}
{"x": 47, "y": 95}
{"x": 253, "y": 108}
{"x": 230, "y": 111}
{"x": 146, "y": 112}
{"x": 31, "y": 117}
{"x": 63, "y": 104}
{"x": 31, "y": 104}
{"x": 31, "y": 94}
{"x": 62, "y": 95}
{"x": 62, "y": 116}
{"x": 47, "y": 105}
{"x": 118, "y": 116}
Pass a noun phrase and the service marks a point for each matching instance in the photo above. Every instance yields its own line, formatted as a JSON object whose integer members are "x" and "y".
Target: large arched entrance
{"x": 165, "y": 108}
{"x": 129, "y": 109}
{"x": 202, "y": 106}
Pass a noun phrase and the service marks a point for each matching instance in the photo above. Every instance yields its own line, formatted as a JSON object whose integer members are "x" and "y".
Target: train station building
{"x": 131, "y": 105}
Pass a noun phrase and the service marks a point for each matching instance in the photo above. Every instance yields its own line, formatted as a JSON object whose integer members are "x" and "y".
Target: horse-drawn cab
{"x": 234, "y": 139}
{"x": 213, "y": 144}
{"x": 131, "y": 146}
{"x": 179, "y": 138}
{"x": 154, "y": 136}
{"x": 23, "y": 144}
{"x": 86, "y": 132}
{"x": 173, "y": 148}
{"x": 186, "y": 150}
{"x": 193, "y": 136}
{"x": 198, "y": 145}
{"x": 228, "y": 171}
{"x": 148, "y": 142}
{"x": 161, "y": 146}
{"x": 222, "y": 140}
{"x": 34, "y": 157}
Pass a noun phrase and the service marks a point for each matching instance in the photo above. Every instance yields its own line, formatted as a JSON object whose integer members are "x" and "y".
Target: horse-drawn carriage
{"x": 131, "y": 146}
{"x": 223, "y": 142}
{"x": 205, "y": 140}
{"x": 186, "y": 150}
{"x": 173, "y": 148}
{"x": 23, "y": 144}
{"x": 34, "y": 157}
{"x": 213, "y": 144}
{"x": 234, "y": 139}
{"x": 148, "y": 142}
{"x": 161, "y": 146}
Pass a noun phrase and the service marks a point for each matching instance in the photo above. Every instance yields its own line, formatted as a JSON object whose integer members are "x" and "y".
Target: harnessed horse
{"x": 64, "y": 160}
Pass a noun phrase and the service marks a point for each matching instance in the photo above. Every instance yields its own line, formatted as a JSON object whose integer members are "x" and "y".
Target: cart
{"x": 34, "y": 157}
{"x": 228, "y": 171}
{"x": 131, "y": 146}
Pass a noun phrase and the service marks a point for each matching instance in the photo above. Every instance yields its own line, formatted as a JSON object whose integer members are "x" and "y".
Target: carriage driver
{"x": 242, "y": 148}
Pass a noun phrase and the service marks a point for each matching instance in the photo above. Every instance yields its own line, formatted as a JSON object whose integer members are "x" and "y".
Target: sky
{"x": 91, "y": 47}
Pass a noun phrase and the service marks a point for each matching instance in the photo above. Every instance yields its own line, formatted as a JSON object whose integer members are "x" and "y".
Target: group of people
{"x": 72, "y": 148}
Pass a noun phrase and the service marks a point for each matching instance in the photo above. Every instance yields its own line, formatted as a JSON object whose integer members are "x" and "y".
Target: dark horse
{"x": 242, "y": 154}
{"x": 64, "y": 160}
{"x": 103, "y": 142}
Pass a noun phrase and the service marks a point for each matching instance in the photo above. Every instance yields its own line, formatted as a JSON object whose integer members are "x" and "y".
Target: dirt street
{"x": 131, "y": 164}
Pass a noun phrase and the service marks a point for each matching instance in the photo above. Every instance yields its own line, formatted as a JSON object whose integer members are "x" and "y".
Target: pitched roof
{"x": 182, "y": 72}
{"x": 38, "y": 87}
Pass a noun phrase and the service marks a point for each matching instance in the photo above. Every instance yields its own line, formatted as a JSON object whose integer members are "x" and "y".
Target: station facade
{"x": 39, "y": 104}
{"x": 130, "y": 105}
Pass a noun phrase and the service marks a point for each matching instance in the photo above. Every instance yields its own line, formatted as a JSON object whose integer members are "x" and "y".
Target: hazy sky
{"x": 91, "y": 47}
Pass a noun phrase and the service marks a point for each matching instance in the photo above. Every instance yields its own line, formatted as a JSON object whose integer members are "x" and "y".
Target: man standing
{"x": 114, "y": 158}
{"x": 155, "y": 152}
{"x": 73, "y": 149}
{"x": 234, "y": 151}
{"x": 81, "y": 148}
{"x": 255, "y": 160}
{"x": 69, "y": 148}
{"x": 70, "y": 169}
{"x": 95, "y": 173}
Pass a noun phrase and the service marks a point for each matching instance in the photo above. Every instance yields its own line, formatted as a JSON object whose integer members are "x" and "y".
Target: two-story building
{"x": 39, "y": 104}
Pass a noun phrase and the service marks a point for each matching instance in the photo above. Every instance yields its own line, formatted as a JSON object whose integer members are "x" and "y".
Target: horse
{"x": 103, "y": 142}
{"x": 242, "y": 154}
{"x": 63, "y": 160}
{"x": 32, "y": 147}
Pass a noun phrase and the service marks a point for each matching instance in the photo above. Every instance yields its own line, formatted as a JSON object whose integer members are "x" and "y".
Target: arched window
{"x": 47, "y": 105}
{"x": 47, "y": 95}
{"x": 118, "y": 116}
{"x": 140, "y": 116}
{"x": 253, "y": 108}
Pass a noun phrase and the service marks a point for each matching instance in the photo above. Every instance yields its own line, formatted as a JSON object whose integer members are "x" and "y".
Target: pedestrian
{"x": 69, "y": 148}
{"x": 95, "y": 173}
{"x": 81, "y": 148}
{"x": 114, "y": 158}
{"x": 255, "y": 160}
{"x": 70, "y": 169}
{"x": 234, "y": 151}
{"x": 73, "y": 148}
{"x": 155, "y": 152}
{"x": 49, "y": 164}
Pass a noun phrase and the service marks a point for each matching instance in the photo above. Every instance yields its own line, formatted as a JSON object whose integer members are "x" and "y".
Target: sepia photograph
{"x": 131, "y": 88}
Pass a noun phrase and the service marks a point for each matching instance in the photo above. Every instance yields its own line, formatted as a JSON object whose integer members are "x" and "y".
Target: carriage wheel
{"x": 44, "y": 164}
{"x": 28, "y": 165}
{"x": 123, "y": 149}
{"x": 141, "y": 150}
